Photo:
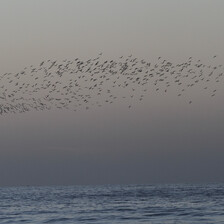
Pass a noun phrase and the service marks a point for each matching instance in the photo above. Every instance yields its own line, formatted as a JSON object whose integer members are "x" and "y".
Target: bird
{"x": 77, "y": 84}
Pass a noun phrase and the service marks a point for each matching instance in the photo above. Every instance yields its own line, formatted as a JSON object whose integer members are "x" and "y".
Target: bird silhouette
{"x": 82, "y": 84}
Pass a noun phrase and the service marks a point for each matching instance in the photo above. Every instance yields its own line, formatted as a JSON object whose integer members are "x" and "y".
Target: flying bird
{"x": 82, "y": 84}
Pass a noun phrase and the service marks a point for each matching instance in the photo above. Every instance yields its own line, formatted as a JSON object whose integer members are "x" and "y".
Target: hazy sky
{"x": 163, "y": 139}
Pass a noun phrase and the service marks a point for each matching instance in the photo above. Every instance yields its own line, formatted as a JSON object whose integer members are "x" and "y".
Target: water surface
{"x": 182, "y": 203}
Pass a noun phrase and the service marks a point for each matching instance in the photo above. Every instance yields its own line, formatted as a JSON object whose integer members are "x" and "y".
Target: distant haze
{"x": 161, "y": 140}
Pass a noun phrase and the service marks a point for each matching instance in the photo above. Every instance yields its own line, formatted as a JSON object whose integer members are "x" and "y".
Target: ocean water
{"x": 181, "y": 203}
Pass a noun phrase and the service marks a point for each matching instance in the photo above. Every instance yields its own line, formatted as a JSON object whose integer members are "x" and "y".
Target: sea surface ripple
{"x": 179, "y": 203}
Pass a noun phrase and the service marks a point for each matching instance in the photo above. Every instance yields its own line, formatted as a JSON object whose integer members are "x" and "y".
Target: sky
{"x": 162, "y": 140}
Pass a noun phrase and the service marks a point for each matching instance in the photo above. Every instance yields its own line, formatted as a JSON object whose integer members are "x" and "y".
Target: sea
{"x": 159, "y": 203}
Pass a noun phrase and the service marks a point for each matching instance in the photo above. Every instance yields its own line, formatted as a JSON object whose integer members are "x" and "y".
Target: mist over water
{"x": 102, "y": 121}
{"x": 111, "y": 111}
{"x": 123, "y": 92}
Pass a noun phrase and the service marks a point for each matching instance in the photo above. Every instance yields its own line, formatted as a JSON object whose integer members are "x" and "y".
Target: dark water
{"x": 113, "y": 204}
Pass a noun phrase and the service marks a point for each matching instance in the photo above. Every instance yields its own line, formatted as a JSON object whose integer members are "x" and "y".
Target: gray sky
{"x": 163, "y": 139}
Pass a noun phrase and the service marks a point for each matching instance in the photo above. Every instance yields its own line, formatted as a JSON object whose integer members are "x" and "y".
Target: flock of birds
{"x": 79, "y": 84}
